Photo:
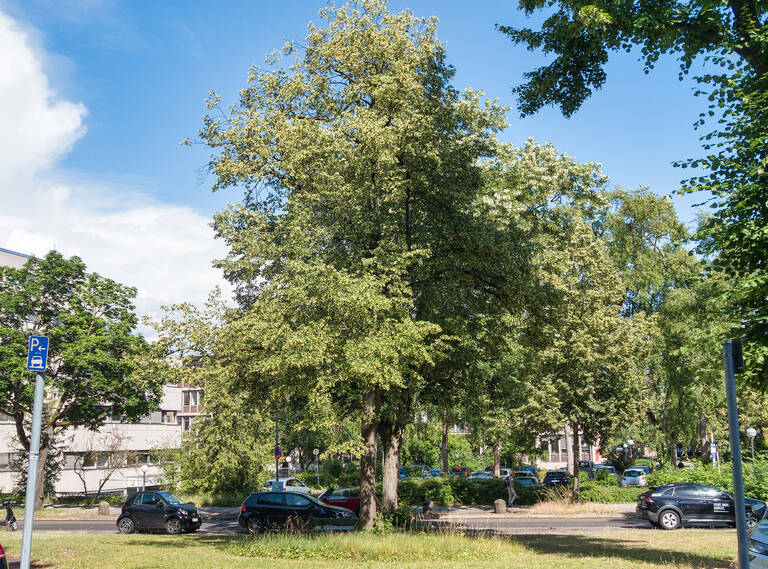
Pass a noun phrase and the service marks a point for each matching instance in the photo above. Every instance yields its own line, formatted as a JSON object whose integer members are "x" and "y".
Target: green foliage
{"x": 96, "y": 363}
{"x": 460, "y": 491}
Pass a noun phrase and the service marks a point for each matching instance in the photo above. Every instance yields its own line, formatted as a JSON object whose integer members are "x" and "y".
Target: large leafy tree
{"x": 361, "y": 165}
{"x": 93, "y": 352}
{"x": 732, "y": 37}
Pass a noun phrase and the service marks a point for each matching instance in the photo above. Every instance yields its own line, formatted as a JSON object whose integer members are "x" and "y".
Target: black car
{"x": 272, "y": 510}
{"x": 556, "y": 478}
{"x": 157, "y": 510}
{"x": 672, "y": 505}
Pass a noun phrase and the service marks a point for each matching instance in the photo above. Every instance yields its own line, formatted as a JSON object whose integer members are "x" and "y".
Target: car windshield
{"x": 634, "y": 473}
{"x": 170, "y": 498}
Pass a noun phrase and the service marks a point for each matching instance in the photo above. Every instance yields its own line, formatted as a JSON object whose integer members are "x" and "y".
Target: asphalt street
{"x": 506, "y": 525}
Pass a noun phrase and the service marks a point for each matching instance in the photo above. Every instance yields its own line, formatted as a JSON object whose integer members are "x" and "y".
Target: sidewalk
{"x": 76, "y": 513}
{"x": 522, "y": 512}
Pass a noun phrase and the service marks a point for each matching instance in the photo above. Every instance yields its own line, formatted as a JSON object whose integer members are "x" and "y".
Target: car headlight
{"x": 183, "y": 513}
{"x": 758, "y": 547}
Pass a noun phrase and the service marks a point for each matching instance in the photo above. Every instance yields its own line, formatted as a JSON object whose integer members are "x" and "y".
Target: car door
{"x": 718, "y": 504}
{"x": 298, "y": 511}
{"x": 690, "y": 502}
{"x": 269, "y": 506}
{"x": 148, "y": 511}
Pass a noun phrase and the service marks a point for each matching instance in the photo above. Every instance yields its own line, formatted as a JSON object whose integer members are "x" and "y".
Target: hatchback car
{"x": 480, "y": 475}
{"x": 605, "y": 472}
{"x": 460, "y": 471}
{"x": 157, "y": 510}
{"x": 275, "y": 510}
{"x": 556, "y": 478}
{"x": 634, "y": 477}
{"x": 673, "y": 505}
{"x": 286, "y": 485}
{"x": 526, "y": 481}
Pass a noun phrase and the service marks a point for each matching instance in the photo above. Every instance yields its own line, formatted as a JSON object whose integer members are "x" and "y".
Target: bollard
{"x": 500, "y": 506}
{"x": 104, "y": 509}
{"x": 428, "y": 507}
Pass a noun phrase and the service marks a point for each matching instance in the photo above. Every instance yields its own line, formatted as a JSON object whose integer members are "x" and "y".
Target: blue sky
{"x": 139, "y": 71}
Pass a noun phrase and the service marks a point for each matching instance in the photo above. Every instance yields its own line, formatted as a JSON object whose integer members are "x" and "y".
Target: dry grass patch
{"x": 566, "y": 508}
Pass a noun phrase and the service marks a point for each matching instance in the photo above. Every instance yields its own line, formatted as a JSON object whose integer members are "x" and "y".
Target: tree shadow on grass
{"x": 616, "y": 548}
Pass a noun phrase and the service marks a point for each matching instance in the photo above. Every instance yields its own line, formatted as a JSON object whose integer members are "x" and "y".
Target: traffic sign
{"x": 316, "y": 452}
{"x": 278, "y": 451}
{"x": 37, "y": 357}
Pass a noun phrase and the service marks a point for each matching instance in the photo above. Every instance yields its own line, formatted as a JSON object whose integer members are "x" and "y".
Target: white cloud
{"x": 165, "y": 250}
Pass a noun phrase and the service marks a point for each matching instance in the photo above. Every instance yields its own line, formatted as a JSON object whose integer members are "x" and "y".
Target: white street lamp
{"x": 288, "y": 460}
{"x": 752, "y": 434}
{"x": 144, "y": 469}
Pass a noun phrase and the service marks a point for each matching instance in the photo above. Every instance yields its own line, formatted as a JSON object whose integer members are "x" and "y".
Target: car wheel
{"x": 669, "y": 519}
{"x": 173, "y": 526}
{"x": 255, "y": 525}
{"x": 126, "y": 525}
{"x": 751, "y": 519}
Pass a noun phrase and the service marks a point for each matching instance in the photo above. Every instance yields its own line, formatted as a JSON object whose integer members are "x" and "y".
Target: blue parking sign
{"x": 37, "y": 357}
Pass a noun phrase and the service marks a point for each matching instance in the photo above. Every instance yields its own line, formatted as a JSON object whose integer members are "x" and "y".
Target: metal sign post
{"x": 734, "y": 363}
{"x": 37, "y": 358}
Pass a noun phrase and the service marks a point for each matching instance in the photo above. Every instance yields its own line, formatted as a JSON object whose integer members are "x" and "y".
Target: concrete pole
{"x": 34, "y": 455}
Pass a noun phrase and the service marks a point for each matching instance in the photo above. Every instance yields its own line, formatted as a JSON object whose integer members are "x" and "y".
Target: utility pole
{"x": 733, "y": 361}
{"x": 277, "y": 446}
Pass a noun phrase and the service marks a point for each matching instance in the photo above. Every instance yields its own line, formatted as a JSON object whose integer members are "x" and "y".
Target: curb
{"x": 528, "y": 516}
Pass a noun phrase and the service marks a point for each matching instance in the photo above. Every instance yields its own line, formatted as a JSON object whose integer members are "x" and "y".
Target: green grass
{"x": 686, "y": 549}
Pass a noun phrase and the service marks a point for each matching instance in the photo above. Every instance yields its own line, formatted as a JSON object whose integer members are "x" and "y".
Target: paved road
{"x": 512, "y": 526}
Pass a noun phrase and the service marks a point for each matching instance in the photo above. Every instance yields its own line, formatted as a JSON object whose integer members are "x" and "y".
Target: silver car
{"x": 634, "y": 477}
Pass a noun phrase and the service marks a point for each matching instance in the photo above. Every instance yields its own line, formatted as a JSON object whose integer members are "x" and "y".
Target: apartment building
{"x": 111, "y": 458}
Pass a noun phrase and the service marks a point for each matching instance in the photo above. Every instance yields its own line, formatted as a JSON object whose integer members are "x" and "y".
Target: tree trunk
{"x": 40, "y": 476}
{"x": 673, "y": 452}
{"x": 569, "y": 440}
{"x": 704, "y": 447}
{"x": 575, "y": 454}
{"x": 392, "y": 439}
{"x": 497, "y": 459}
{"x": 369, "y": 431}
{"x": 444, "y": 443}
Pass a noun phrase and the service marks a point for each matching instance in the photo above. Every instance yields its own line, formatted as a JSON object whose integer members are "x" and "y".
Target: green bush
{"x": 458, "y": 491}
{"x": 592, "y": 492}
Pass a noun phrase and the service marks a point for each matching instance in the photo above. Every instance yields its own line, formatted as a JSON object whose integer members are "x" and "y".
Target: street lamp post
{"x": 144, "y": 469}
{"x": 752, "y": 434}
{"x": 630, "y": 443}
{"x": 288, "y": 460}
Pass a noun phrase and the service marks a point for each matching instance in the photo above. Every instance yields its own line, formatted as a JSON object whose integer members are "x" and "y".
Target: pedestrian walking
{"x": 511, "y": 494}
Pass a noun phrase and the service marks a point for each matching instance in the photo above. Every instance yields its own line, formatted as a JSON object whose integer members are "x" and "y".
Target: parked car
{"x": 460, "y": 471}
{"x": 524, "y": 474}
{"x": 480, "y": 474}
{"x": 504, "y": 472}
{"x": 528, "y": 468}
{"x": 603, "y": 471}
{"x": 286, "y": 485}
{"x": 157, "y": 510}
{"x": 526, "y": 481}
{"x": 644, "y": 468}
{"x": 275, "y": 510}
{"x": 3, "y": 559}
{"x": 348, "y": 498}
{"x": 556, "y": 478}
{"x": 435, "y": 472}
{"x": 634, "y": 477}
{"x": 415, "y": 472}
{"x": 586, "y": 466}
{"x": 757, "y": 541}
{"x": 672, "y": 505}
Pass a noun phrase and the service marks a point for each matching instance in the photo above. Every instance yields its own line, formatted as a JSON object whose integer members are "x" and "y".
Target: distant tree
{"x": 93, "y": 352}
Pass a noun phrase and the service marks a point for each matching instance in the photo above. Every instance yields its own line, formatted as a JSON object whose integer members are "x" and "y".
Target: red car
{"x": 348, "y": 498}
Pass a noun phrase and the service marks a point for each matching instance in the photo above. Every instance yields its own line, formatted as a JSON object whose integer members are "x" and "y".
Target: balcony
{"x": 190, "y": 408}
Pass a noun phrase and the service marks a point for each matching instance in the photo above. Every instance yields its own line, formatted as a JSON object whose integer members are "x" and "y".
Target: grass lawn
{"x": 688, "y": 549}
